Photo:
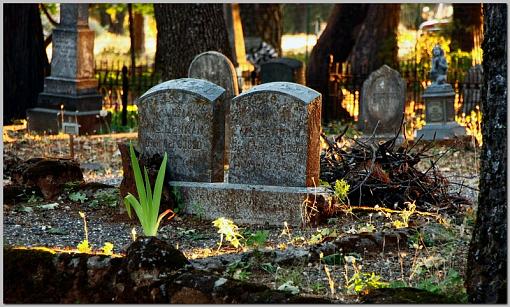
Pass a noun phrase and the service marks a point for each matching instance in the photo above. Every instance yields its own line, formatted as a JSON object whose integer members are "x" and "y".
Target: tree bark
{"x": 139, "y": 33}
{"x": 132, "y": 39}
{"x": 337, "y": 40}
{"x": 264, "y": 21}
{"x": 25, "y": 60}
{"x": 186, "y": 30}
{"x": 467, "y": 22}
{"x": 376, "y": 43}
{"x": 486, "y": 274}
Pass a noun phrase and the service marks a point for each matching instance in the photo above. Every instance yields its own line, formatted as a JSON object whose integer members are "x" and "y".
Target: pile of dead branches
{"x": 384, "y": 174}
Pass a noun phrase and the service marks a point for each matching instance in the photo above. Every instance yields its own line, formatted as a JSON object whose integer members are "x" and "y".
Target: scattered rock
{"x": 373, "y": 243}
{"x": 402, "y": 296}
{"x": 152, "y": 253}
{"x": 47, "y": 175}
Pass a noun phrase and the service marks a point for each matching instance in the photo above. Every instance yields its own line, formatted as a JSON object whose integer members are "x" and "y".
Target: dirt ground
{"x": 432, "y": 254}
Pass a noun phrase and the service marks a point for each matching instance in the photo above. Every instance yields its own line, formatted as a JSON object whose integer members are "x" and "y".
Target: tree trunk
{"x": 186, "y": 30}
{"x": 376, "y": 43}
{"x": 264, "y": 21}
{"x": 467, "y": 22}
{"x": 337, "y": 40}
{"x": 132, "y": 39}
{"x": 139, "y": 33}
{"x": 117, "y": 27}
{"x": 25, "y": 60}
{"x": 486, "y": 275}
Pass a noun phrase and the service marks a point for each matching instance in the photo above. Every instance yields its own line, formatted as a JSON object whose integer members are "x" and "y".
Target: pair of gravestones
{"x": 274, "y": 146}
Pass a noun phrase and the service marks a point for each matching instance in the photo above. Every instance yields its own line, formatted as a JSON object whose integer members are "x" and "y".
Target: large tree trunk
{"x": 467, "y": 22}
{"x": 376, "y": 43}
{"x": 363, "y": 34}
{"x": 336, "y": 40}
{"x": 264, "y": 21}
{"x": 25, "y": 60}
{"x": 486, "y": 275}
{"x": 139, "y": 33}
{"x": 186, "y": 30}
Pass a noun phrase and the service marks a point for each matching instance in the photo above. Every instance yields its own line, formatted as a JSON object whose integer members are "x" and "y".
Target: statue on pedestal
{"x": 439, "y": 66}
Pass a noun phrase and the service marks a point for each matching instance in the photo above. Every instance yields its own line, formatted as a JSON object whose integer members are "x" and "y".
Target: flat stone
{"x": 246, "y": 204}
{"x": 275, "y": 130}
{"x": 382, "y": 100}
{"x": 185, "y": 119}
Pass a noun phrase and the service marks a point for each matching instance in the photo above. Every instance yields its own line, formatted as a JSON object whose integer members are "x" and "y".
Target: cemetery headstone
{"x": 185, "y": 118}
{"x": 275, "y": 138}
{"x": 283, "y": 69}
{"x": 439, "y": 100}
{"x": 382, "y": 102}
{"x": 217, "y": 68}
{"x": 472, "y": 88}
{"x": 71, "y": 83}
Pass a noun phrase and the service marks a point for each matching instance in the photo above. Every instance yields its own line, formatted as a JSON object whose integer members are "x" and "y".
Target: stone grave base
{"x": 381, "y": 138}
{"x": 247, "y": 204}
{"x": 49, "y": 121}
{"x": 83, "y": 102}
{"x": 443, "y": 131}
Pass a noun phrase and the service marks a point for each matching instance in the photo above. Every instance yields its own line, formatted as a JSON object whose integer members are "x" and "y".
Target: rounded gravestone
{"x": 184, "y": 118}
{"x": 382, "y": 101}
{"x": 275, "y": 129}
{"x": 217, "y": 68}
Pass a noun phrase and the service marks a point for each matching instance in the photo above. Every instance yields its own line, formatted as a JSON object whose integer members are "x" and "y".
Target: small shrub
{"x": 229, "y": 230}
{"x": 77, "y": 197}
{"x": 341, "y": 190}
{"x": 361, "y": 282}
{"x": 238, "y": 270}
{"x": 147, "y": 207}
{"x": 257, "y": 239}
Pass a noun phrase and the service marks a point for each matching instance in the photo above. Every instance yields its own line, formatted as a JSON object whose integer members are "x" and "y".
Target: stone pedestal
{"x": 248, "y": 204}
{"x": 72, "y": 83}
{"x": 440, "y": 114}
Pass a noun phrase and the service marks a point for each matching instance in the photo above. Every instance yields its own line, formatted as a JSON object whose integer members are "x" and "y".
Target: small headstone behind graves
{"x": 217, "y": 68}
{"x": 185, "y": 118}
{"x": 471, "y": 92}
{"x": 382, "y": 103}
{"x": 283, "y": 69}
{"x": 276, "y": 136}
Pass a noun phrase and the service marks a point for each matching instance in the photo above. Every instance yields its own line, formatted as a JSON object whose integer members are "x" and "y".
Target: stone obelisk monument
{"x": 71, "y": 87}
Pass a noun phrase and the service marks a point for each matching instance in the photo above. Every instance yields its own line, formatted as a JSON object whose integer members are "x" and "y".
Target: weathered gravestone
{"x": 274, "y": 159}
{"x": 217, "y": 68}
{"x": 276, "y": 135}
{"x": 472, "y": 89}
{"x": 439, "y": 100}
{"x": 185, "y": 118}
{"x": 382, "y": 103}
{"x": 283, "y": 69}
{"x": 72, "y": 83}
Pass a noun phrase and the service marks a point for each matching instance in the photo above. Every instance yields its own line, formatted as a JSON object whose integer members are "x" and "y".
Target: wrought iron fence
{"x": 116, "y": 78}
